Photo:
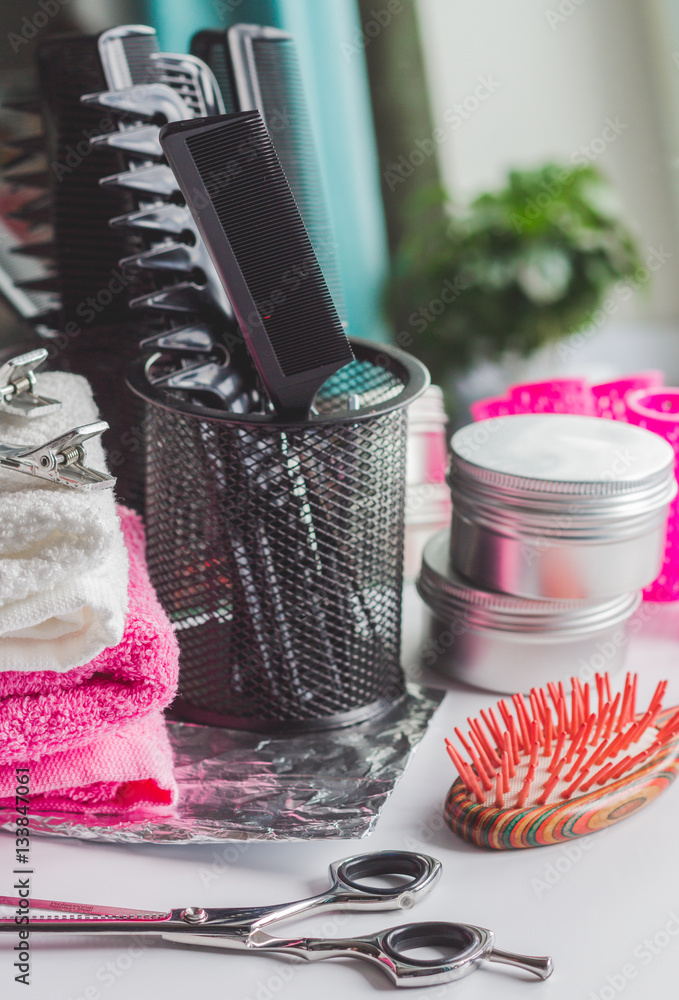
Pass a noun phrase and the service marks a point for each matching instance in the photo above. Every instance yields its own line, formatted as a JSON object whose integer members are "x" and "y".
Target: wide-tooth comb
{"x": 554, "y": 767}
{"x": 183, "y": 85}
{"x": 125, "y": 53}
{"x": 236, "y": 189}
{"x": 193, "y": 79}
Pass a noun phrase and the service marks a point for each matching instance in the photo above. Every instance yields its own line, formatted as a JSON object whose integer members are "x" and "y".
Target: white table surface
{"x": 606, "y": 908}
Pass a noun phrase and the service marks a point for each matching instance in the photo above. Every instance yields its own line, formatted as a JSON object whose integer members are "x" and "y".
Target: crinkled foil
{"x": 243, "y": 786}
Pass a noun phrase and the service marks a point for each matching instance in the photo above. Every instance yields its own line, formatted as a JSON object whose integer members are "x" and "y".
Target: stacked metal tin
{"x": 558, "y": 522}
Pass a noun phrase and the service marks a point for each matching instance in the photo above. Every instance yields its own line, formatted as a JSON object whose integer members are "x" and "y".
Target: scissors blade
{"x": 89, "y": 909}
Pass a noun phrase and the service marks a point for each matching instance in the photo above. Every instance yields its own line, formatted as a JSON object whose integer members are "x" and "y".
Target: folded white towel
{"x": 63, "y": 564}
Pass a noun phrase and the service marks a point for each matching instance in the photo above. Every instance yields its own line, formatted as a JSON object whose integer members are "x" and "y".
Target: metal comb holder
{"x": 277, "y": 549}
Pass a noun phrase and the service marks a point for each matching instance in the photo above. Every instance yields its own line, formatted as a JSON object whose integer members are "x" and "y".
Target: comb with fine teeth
{"x": 560, "y": 767}
{"x": 238, "y": 194}
{"x": 258, "y": 68}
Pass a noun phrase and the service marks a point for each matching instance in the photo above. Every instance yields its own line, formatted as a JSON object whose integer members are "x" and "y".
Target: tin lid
{"x": 452, "y": 597}
{"x": 555, "y": 454}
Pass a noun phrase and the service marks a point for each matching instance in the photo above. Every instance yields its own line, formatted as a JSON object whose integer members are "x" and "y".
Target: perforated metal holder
{"x": 277, "y": 548}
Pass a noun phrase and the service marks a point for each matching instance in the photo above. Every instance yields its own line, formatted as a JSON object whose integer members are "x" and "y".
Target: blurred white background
{"x": 572, "y": 81}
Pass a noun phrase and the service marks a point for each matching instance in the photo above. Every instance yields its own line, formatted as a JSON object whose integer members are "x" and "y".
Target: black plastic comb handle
{"x": 235, "y": 187}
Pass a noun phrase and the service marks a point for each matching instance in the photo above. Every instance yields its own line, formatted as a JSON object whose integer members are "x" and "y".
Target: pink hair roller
{"x": 609, "y": 397}
{"x": 557, "y": 395}
{"x": 492, "y": 406}
{"x": 657, "y": 410}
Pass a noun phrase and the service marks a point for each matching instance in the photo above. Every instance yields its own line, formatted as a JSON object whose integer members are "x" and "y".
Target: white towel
{"x": 63, "y": 564}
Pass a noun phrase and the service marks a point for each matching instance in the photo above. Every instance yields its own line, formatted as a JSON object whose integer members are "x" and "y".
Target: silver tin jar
{"x": 509, "y": 644}
{"x": 559, "y": 507}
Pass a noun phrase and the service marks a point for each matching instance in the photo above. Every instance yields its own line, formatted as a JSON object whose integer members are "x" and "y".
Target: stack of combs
{"x": 107, "y": 253}
{"x": 90, "y": 123}
{"x": 558, "y": 522}
{"x": 271, "y": 448}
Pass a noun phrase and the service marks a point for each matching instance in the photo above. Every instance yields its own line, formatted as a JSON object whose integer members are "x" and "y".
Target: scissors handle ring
{"x": 418, "y": 873}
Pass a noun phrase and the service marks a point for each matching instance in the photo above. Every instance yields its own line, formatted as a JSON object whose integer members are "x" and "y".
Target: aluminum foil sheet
{"x": 244, "y": 786}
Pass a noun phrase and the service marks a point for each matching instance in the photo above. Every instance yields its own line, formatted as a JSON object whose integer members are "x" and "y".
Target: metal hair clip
{"x": 59, "y": 461}
{"x": 17, "y": 382}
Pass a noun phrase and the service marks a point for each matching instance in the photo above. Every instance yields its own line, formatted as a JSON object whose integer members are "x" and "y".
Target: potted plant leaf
{"x": 512, "y": 271}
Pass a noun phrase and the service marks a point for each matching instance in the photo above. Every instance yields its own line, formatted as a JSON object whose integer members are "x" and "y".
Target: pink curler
{"x": 557, "y": 395}
{"x": 567, "y": 395}
{"x": 609, "y": 397}
{"x": 657, "y": 410}
{"x": 492, "y": 406}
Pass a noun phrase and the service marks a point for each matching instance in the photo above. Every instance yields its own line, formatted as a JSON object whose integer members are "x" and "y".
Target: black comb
{"x": 238, "y": 194}
{"x": 210, "y": 46}
{"x": 258, "y": 69}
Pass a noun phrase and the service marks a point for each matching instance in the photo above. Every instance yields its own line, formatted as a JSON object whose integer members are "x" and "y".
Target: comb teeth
{"x": 27, "y": 178}
{"x": 139, "y": 49}
{"x": 184, "y": 297}
{"x": 155, "y": 181}
{"x": 256, "y": 237}
{"x": 25, "y": 149}
{"x": 48, "y": 283}
{"x": 594, "y": 748}
{"x": 29, "y": 105}
{"x": 36, "y": 211}
{"x": 285, "y": 112}
{"x": 140, "y": 140}
{"x": 210, "y": 46}
{"x": 194, "y": 82}
{"x": 42, "y": 250}
{"x": 173, "y": 220}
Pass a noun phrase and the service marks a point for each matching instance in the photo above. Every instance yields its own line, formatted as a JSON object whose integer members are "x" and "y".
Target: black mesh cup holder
{"x": 277, "y": 548}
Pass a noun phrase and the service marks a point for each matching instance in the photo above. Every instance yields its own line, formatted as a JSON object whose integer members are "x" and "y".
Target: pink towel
{"x": 124, "y": 771}
{"x": 44, "y": 712}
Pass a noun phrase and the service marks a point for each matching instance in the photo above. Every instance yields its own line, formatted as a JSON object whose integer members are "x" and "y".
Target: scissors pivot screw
{"x": 194, "y": 915}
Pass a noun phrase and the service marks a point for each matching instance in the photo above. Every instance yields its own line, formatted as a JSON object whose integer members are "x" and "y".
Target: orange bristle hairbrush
{"x": 560, "y": 768}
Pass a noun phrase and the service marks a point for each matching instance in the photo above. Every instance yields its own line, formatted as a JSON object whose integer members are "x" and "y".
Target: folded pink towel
{"x": 44, "y": 712}
{"x": 124, "y": 771}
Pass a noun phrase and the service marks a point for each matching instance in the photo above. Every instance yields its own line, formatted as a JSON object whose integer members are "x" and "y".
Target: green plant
{"x": 515, "y": 269}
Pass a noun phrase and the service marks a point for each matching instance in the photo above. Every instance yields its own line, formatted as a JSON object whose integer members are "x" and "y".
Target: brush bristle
{"x": 553, "y": 748}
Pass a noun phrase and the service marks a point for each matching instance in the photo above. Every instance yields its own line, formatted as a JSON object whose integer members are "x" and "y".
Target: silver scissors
{"x": 464, "y": 946}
